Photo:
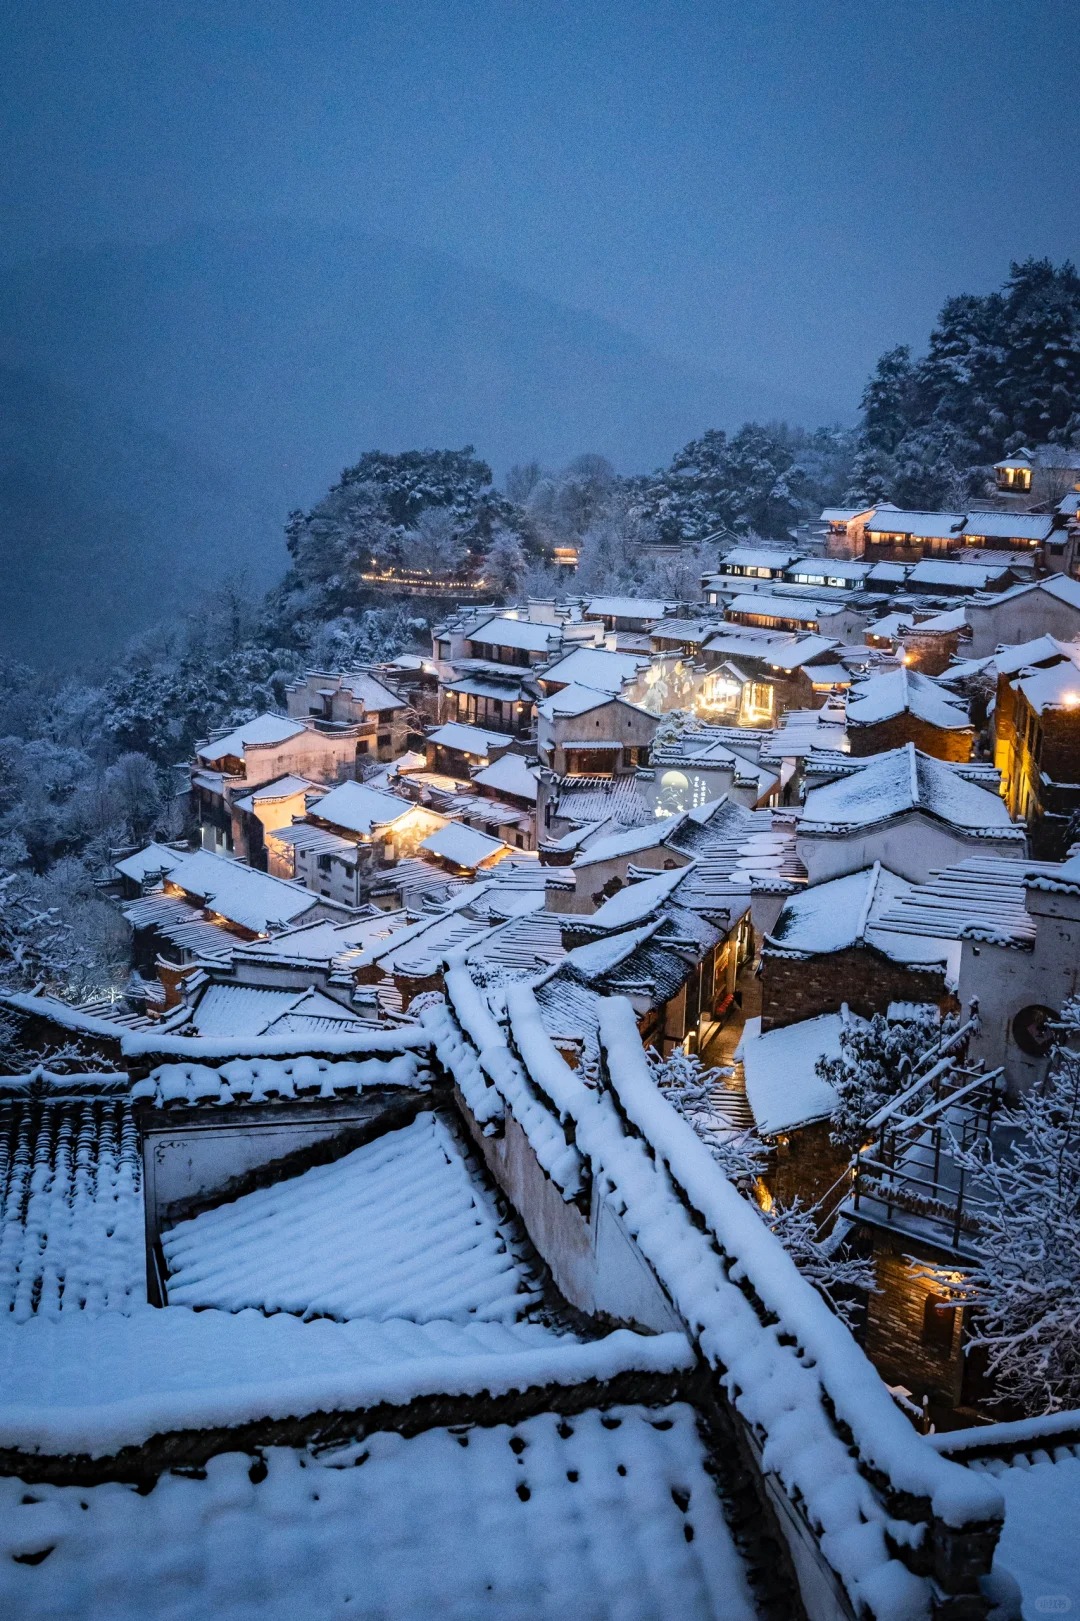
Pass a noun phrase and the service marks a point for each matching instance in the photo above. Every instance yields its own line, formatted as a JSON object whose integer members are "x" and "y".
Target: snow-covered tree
{"x": 876, "y": 1060}
{"x": 839, "y": 1276}
{"x": 690, "y": 1087}
{"x": 1025, "y": 1286}
{"x": 504, "y": 564}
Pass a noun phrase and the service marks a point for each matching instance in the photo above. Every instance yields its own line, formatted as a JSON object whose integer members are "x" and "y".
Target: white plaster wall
{"x": 912, "y": 846}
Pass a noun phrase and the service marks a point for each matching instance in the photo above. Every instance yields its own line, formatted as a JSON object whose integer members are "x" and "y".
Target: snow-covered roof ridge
{"x": 243, "y": 1080}
{"x": 888, "y": 693}
{"x": 155, "y": 1372}
{"x": 903, "y": 780}
{"x": 847, "y": 1459}
{"x": 848, "y": 1424}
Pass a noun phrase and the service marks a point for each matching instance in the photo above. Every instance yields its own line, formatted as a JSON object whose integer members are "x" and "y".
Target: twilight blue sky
{"x": 774, "y": 188}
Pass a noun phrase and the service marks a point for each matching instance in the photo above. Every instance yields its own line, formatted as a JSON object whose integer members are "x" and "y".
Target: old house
{"x": 585, "y": 733}
{"x": 894, "y": 707}
{"x": 267, "y": 749}
{"x": 1046, "y": 607}
{"x": 909, "y": 811}
{"x": 346, "y": 837}
{"x": 353, "y": 698}
{"x": 905, "y": 537}
{"x": 1039, "y": 476}
{"x": 1044, "y": 778}
{"x": 830, "y": 948}
{"x": 456, "y": 750}
{"x": 929, "y": 643}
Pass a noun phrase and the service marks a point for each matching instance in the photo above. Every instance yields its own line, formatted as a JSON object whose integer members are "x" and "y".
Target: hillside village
{"x": 551, "y": 1104}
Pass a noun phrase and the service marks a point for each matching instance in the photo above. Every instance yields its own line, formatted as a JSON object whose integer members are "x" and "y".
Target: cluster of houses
{"x": 378, "y": 1124}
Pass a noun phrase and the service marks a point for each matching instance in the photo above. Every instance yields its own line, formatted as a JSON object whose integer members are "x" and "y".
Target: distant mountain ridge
{"x": 276, "y": 354}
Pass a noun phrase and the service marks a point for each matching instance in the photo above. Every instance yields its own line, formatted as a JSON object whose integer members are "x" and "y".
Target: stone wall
{"x": 860, "y": 976}
{"x": 908, "y": 728}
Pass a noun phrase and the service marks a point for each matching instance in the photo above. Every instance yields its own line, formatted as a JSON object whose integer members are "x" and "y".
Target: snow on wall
{"x": 258, "y": 1080}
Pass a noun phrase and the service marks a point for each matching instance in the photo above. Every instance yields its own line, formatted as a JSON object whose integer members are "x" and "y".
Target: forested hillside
{"x": 1000, "y": 371}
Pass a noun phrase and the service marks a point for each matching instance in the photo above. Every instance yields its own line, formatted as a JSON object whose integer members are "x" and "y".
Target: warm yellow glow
{"x": 1070, "y": 699}
{"x": 763, "y": 1196}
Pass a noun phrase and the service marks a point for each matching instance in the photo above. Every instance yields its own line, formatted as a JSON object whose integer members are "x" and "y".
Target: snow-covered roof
{"x": 776, "y": 558}
{"x": 1009, "y": 525}
{"x": 149, "y": 862}
{"x": 955, "y": 576}
{"x": 900, "y": 781}
{"x": 522, "y": 634}
{"x": 920, "y": 525}
{"x": 890, "y": 626}
{"x": 406, "y": 1232}
{"x": 982, "y": 898}
{"x": 634, "y": 902}
{"x": 263, "y": 729}
{"x": 471, "y": 740}
{"x": 280, "y": 788}
{"x": 841, "y": 514}
{"x": 894, "y": 692}
{"x": 804, "y": 610}
{"x": 782, "y": 1087}
{"x": 630, "y": 842}
{"x": 463, "y": 846}
{"x": 594, "y": 667}
{"x": 573, "y": 700}
{"x": 372, "y": 692}
{"x": 503, "y": 1520}
{"x": 511, "y": 774}
{"x": 248, "y": 1010}
{"x": 938, "y": 624}
{"x": 793, "y": 655}
{"x": 239, "y": 893}
{"x": 835, "y": 915}
{"x": 1056, "y": 688}
{"x": 627, "y": 608}
{"x": 360, "y": 809}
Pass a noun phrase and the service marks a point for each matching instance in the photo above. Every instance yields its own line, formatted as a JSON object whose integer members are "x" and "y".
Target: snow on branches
{"x": 1025, "y": 1285}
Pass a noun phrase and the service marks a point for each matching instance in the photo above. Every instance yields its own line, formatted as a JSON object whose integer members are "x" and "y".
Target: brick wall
{"x": 932, "y": 653}
{"x": 908, "y": 728}
{"x": 805, "y": 1165}
{"x": 861, "y": 977}
{"x": 895, "y": 1331}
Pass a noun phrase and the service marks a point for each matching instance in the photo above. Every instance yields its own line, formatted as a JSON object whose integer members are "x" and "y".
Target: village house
{"x": 456, "y": 750}
{"x": 911, "y": 812}
{"x": 845, "y": 530}
{"x": 903, "y": 537}
{"x": 1015, "y": 955}
{"x": 894, "y": 707}
{"x": 829, "y": 948}
{"x": 930, "y": 643}
{"x": 1045, "y": 607}
{"x": 203, "y": 905}
{"x": 1001, "y": 670}
{"x": 842, "y": 618}
{"x": 626, "y": 613}
{"x": 1044, "y": 780}
{"x": 270, "y": 748}
{"x": 585, "y": 733}
{"x": 346, "y": 836}
{"x": 1039, "y": 477}
{"x": 353, "y": 698}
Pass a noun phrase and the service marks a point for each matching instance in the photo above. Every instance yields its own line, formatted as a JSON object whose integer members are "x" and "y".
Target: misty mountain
{"x": 166, "y": 406}
{"x": 287, "y": 351}
{"x": 106, "y": 528}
